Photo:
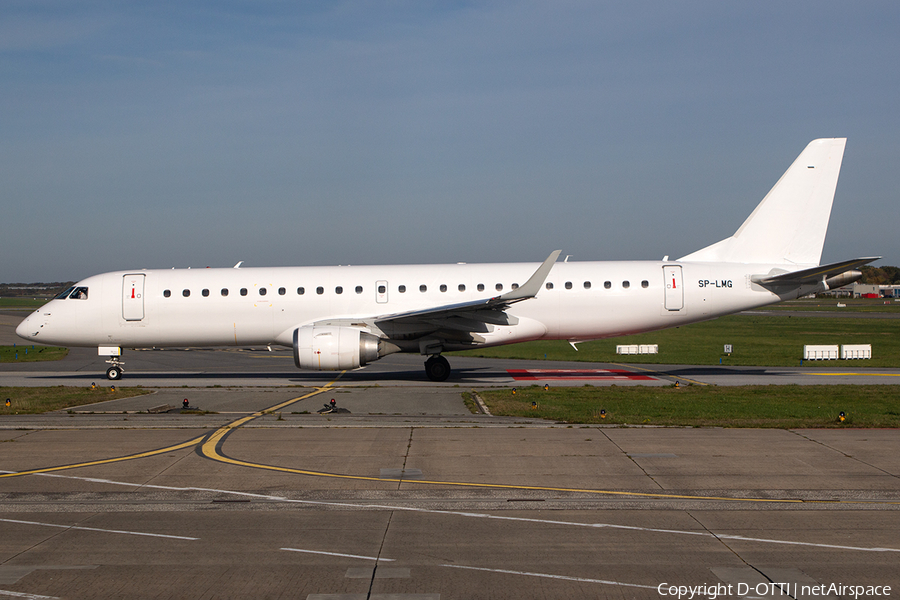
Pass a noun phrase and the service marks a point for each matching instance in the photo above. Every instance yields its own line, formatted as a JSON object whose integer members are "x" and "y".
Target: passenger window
{"x": 359, "y": 289}
{"x": 402, "y": 289}
{"x": 548, "y": 285}
{"x": 320, "y": 290}
{"x": 300, "y": 291}
{"x": 587, "y": 285}
{"x": 224, "y": 291}
{"x": 423, "y": 288}
{"x": 499, "y": 287}
{"x": 167, "y": 293}
{"x": 80, "y": 293}
{"x": 462, "y": 287}
{"x": 381, "y": 289}
{"x": 645, "y": 284}
{"x": 607, "y": 284}
{"x": 205, "y": 292}
{"x": 568, "y": 285}
{"x": 338, "y": 290}
{"x": 443, "y": 288}
{"x": 63, "y": 295}
{"x": 243, "y": 291}
{"x": 282, "y": 291}
{"x": 262, "y": 291}
{"x": 515, "y": 286}
{"x": 480, "y": 287}
{"x": 626, "y": 285}
{"x": 186, "y": 293}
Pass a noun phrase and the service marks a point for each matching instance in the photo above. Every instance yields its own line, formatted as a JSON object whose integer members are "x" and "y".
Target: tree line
{"x": 33, "y": 290}
{"x": 880, "y": 275}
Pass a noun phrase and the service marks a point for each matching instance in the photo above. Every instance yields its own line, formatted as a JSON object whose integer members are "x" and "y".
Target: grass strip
{"x": 31, "y": 353}
{"x": 757, "y": 340}
{"x": 23, "y": 302}
{"x": 771, "y": 406}
{"x": 34, "y": 400}
{"x": 837, "y": 305}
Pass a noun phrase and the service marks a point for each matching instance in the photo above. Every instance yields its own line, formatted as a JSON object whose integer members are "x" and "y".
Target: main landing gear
{"x": 437, "y": 368}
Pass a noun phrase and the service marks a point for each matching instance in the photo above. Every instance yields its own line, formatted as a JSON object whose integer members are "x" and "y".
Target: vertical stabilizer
{"x": 788, "y": 226}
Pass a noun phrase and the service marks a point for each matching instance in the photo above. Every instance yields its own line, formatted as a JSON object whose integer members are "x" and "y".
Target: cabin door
{"x": 133, "y": 297}
{"x": 674, "y": 289}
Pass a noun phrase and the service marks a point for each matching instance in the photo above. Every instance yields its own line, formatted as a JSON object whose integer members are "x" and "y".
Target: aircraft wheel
{"x": 437, "y": 368}
{"x": 114, "y": 373}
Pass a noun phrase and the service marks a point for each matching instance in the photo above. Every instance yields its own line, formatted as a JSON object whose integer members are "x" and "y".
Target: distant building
{"x": 864, "y": 290}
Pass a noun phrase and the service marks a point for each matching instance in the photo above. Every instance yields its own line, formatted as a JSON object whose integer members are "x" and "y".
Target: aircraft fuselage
{"x": 258, "y": 306}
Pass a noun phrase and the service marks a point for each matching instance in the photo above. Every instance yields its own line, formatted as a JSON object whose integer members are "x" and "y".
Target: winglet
{"x": 531, "y": 287}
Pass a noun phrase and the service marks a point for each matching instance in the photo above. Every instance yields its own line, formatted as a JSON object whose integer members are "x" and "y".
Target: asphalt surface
{"x": 408, "y": 495}
{"x": 267, "y": 499}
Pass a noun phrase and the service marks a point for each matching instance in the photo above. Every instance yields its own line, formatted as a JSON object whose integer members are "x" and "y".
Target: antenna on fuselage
{"x": 238, "y": 266}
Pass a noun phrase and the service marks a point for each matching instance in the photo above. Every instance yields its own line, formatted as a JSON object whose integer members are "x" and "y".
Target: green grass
{"x": 852, "y": 305}
{"x": 34, "y": 400}
{"x": 775, "y": 406}
{"x": 31, "y": 353}
{"x": 758, "y": 340}
{"x": 23, "y": 302}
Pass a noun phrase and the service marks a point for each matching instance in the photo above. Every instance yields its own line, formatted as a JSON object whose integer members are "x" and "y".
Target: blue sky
{"x": 153, "y": 135}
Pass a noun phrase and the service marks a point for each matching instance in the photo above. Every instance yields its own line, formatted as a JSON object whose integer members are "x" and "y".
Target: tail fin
{"x": 788, "y": 226}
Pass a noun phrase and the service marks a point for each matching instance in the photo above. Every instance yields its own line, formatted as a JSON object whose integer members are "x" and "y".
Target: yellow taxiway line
{"x": 857, "y": 374}
{"x": 210, "y": 447}
{"x": 105, "y": 461}
{"x": 192, "y": 442}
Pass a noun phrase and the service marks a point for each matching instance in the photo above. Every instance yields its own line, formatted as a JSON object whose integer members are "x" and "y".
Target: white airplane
{"x": 338, "y": 318}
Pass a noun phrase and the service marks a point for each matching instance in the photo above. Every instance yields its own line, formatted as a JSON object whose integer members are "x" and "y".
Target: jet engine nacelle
{"x": 845, "y": 278}
{"x": 332, "y": 348}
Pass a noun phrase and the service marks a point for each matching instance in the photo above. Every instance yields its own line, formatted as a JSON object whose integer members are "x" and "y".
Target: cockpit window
{"x": 65, "y": 294}
{"x": 80, "y": 293}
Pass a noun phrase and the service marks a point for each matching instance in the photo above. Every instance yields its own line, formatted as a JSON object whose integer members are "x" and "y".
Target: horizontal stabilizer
{"x": 812, "y": 275}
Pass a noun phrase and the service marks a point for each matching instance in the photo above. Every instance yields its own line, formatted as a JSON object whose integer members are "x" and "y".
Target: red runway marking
{"x": 605, "y": 374}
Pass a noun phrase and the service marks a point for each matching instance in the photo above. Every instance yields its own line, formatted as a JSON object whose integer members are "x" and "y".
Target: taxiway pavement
{"x": 411, "y": 497}
{"x": 254, "y": 367}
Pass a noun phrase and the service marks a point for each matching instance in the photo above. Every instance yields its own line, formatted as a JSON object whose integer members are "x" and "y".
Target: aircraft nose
{"x": 24, "y": 330}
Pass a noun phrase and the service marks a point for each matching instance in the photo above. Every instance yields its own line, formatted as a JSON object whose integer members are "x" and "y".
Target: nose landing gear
{"x": 114, "y": 373}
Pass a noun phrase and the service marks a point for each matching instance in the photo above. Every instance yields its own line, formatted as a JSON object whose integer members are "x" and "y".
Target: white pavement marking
{"x": 159, "y": 535}
{"x": 476, "y": 515}
{"x": 24, "y": 595}
{"x": 506, "y": 571}
{"x": 551, "y": 576}
{"x": 339, "y": 554}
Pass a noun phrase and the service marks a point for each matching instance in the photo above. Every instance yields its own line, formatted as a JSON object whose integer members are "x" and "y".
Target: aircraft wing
{"x": 812, "y": 275}
{"x": 474, "y": 315}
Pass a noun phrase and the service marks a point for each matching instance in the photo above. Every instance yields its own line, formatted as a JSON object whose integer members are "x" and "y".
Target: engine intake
{"x": 332, "y": 348}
